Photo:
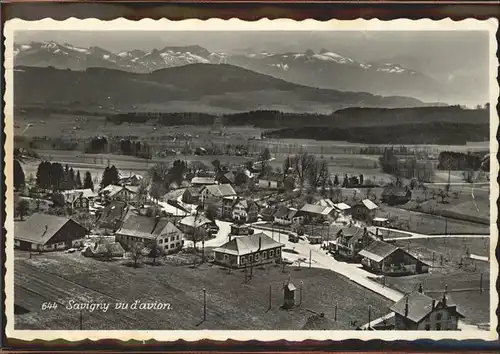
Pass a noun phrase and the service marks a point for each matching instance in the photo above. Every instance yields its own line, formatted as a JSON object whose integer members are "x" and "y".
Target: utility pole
{"x": 204, "y": 304}
{"x": 310, "y": 258}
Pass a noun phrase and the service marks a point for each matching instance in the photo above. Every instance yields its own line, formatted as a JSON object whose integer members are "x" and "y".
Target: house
{"x": 287, "y": 216}
{"x": 42, "y": 232}
{"x": 113, "y": 249}
{"x": 350, "y": 241}
{"x": 384, "y": 258}
{"x": 417, "y": 311}
{"x": 325, "y": 203}
{"x": 248, "y": 250}
{"x": 79, "y": 199}
{"x": 144, "y": 229}
{"x": 317, "y": 213}
{"x": 174, "y": 209}
{"x": 342, "y": 208}
{"x": 268, "y": 184}
{"x": 226, "y": 178}
{"x": 244, "y": 210}
{"x": 191, "y": 195}
{"x": 216, "y": 192}
{"x": 364, "y": 210}
{"x": 393, "y": 195}
{"x": 203, "y": 181}
{"x": 267, "y": 214}
{"x": 191, "y": 223}
{"x": 113, "y": 214}
{"x": 114, "y": 192}
{"x": 133, "y": 180}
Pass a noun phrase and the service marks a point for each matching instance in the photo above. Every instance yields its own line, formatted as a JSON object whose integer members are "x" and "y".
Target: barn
{"x": 42, "y": 232}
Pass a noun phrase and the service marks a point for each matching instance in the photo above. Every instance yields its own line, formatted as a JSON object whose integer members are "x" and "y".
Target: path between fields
{"x": 414, "y": 235}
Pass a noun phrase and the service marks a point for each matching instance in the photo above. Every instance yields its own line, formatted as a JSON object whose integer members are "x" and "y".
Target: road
{"x": 415, "y": 235}
{"x": 321, "y": 259}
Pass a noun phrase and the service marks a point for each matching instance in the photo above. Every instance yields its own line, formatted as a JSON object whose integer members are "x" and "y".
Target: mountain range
{"x": 196, "y": 87}
{"x": 322, "y": 69}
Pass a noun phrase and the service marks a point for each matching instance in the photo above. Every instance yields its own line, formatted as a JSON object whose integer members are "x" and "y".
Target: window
{"x": 172, "y": 245}
{"x": 427, "y": 327}
{"x": 257, "y": 256}
{"x": 264, "y": 255}
{"x": 243, "y": 260}
{"x": 271, "y": 253}
{"x": 250, "y": 258}
{"x": 177, "y": 236}
{"x": 438, "y": 327}
{"x": 277, "y": 251}
{"x": 439, "y": 316}
{"x": 226, "y": 258}
{"x": 161, "y": 241}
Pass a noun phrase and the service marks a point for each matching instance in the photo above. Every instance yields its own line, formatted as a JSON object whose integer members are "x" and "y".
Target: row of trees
{"x": 130, "y": 147}
{"x": 52, "y": 175}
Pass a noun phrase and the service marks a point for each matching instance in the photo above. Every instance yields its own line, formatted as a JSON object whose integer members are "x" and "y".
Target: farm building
{"x": 42, "y": 232}
{"x": 287, "y": 216}
{"x": 203, "y": 181}
{"x": 191, "y": 195}
{"x": 417, "y": 311}
{"x": 317, "y": 213}
{"x": 113, "y": 214}
{"x": 97, "y": 250}
{"x": 216, "y": 192}
{"x": 342, "y": 208}
{"x": 364, "y": 210}
{"x": 384, "y": 258}
{"x": 143, "y": 229}
{"x": 248, "y": 250}
{"x": 393, "y": 195}
{"x": 267, "y": 214}
{"x": 350, "y": 241}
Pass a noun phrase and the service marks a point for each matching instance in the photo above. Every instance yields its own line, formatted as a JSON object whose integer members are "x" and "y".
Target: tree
{"x": 19, "y": 179}
{"x": 141, "y": 194}
{"x": 78, "y": 180}
{"x": 22, "y": 208}
{"x": 56, "y": 176}
{"x": 301, "y": 164}
{"x": 156, "y": 191}
{"x": 289, "y": 184}
{"x": 196, "y": 166}
{"x": 136, "y": 252}
{"x": 336, "y": 180}
{"x": 87, "y": 183}
{"x": 345, "y": 182}
{"x": 265, "y": 155}
{"x": 361, "y": 179}
{"x": 43, "y": 175}
{"x": 216, "y": 164}
{"x": 110, "y": 176}
{"x": 155, "y": 250}
{"x": 70, "y": 179}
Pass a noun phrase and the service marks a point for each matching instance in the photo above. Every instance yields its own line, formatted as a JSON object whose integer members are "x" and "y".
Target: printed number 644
{"x": 49, "y": 306}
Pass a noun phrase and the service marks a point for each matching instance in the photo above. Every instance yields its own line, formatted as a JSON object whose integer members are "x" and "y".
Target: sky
{"x": 441, "y": 54}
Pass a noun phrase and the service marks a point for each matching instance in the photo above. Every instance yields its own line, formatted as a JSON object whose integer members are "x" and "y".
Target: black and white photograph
{"x": 248, "y": 176}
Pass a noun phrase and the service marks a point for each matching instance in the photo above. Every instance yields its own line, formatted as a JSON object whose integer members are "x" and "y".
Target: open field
{"x": 231, "y": 303}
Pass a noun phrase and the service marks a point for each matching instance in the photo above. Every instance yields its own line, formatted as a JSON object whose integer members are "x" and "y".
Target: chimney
{"x": 433, "y": 304}
{"x": 406, "y": 307}
{"x": 376, "y": 232}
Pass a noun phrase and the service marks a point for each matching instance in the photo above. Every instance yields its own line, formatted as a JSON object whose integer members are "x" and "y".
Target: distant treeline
{"x": 459, "y": 161}
{"x": 349, "y": 117}
{"x": 423, "y": 133}
{"x": 123, "y": 146}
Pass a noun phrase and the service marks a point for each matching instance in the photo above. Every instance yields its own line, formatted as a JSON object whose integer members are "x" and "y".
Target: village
{"x": 275, "y": 227}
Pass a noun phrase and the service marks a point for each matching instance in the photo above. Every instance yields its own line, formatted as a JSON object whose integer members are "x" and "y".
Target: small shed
{"x": 289, "y": 296}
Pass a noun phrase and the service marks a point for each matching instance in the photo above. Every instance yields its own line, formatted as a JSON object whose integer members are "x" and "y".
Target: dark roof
{"x": 248, "y": 244}
{"x": 34, "y": 228}
{"x": 419, "y": 306}
{"x": 146, "y": 227}
{"x": 114, "y": 210}
{"x": 282, "y": 212}
{"x": 378, "y": 250}
{"x": 354, "y": 234}
{"x": 194, "y": 191}
{"x": 230, "y": 176}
